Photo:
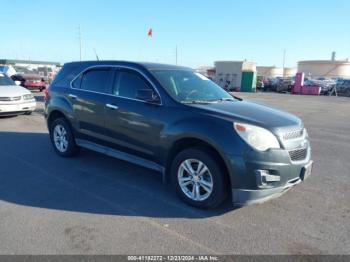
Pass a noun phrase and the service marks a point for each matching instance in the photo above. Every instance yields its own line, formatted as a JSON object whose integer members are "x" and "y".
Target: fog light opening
{"x": 264, "y": 177}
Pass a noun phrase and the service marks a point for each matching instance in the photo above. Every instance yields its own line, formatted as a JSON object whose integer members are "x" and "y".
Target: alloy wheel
{"x": 60, "y": 138}
{"x": 195, "y": 179}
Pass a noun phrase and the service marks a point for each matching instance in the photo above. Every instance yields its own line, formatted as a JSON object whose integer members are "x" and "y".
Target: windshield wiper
{"x": 223, "y": 100}
{"x": 198, "y": 102}
{"x": 236, "y": 97}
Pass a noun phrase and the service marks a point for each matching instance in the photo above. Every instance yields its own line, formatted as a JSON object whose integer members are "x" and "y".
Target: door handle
{"x": 113, "y": 107}
{"x": 73, "y": 96}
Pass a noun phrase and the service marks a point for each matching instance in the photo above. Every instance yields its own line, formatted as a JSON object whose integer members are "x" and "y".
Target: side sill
{"x": 121, "y": 155}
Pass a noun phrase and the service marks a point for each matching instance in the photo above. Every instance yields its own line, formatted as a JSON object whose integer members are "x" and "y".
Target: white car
{"x": 14, "y": 100}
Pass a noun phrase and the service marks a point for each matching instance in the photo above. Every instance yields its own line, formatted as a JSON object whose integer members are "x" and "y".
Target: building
{"x": 290, "y": 71}
{"x": 325, "y": 68}
{"x": 29, "y": 63}
{"x": 229, "y": 73}
{"x": 273, "y": 71}
{"x": 269, "y": 71}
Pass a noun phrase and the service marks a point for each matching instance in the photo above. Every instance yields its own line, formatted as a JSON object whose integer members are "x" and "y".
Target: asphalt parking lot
{"x": 93, "y": 204}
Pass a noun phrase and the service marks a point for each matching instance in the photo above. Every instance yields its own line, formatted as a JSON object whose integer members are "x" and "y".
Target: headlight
{"x": 257, "y": 137}
{"x": 28, "y": 97}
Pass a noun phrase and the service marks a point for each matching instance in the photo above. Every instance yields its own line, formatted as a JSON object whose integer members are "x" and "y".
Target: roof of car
{"x": 146, "y": 65}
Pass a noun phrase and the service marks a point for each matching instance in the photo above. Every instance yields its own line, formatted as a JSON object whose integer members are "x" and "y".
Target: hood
{"x": 252, "y": 113}
{"x": 10, "y": 91}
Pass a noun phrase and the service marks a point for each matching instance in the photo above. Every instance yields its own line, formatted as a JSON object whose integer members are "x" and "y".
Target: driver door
{"x": 133, "y": 125}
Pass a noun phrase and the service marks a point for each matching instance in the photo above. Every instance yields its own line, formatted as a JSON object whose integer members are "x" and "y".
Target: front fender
{"x": 216, "y": 132}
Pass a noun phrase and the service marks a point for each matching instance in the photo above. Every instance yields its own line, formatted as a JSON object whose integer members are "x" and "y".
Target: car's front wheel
{"x": 62, "y": 138}
{"x": 198, "y": 179}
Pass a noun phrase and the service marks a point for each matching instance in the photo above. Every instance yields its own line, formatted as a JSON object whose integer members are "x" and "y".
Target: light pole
{"x": 284, "y": 62}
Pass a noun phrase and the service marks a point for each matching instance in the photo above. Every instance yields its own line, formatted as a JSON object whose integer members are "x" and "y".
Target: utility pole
{"x": 284, "y": 62}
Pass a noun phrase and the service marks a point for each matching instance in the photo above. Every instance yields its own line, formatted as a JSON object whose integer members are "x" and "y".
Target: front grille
{"x": 295, "y": 134}
{"x": 15, "y": 98}
{"x": 298, "y": 154}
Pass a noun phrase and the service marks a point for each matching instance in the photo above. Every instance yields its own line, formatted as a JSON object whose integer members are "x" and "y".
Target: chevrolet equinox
{"x": 207, "y": 142}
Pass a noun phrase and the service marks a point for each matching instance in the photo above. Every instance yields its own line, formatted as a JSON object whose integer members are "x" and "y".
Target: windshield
{"x": 191, "y": 87}
{"x": 6, "y": 81}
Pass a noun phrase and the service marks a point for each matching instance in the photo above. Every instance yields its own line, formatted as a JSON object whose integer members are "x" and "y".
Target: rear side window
{"x": 96, "y": 80}
{"x": 127, "y": 83}
{"x": 66, "y": 75}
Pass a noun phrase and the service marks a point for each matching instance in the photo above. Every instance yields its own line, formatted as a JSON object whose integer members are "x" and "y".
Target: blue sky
{"x": 204, "y": 31}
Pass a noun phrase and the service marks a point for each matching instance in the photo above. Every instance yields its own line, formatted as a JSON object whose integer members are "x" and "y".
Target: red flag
{"x": 150, "y": 33}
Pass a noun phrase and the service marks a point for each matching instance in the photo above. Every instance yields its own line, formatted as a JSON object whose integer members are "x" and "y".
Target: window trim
{"x": 82, "y": 75}
{"x": 113, "y": 95}
{"x": 132, "y": 72}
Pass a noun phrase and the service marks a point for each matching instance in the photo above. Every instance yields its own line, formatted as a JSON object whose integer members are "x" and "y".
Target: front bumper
{"x": 282, "y": 173}
{"x": 243, "y": 197}
{"x": 16, "y": 108}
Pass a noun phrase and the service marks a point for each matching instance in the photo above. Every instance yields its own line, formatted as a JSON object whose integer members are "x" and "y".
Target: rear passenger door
{"x": 89, "y": 95}
{"x": 133, "y": 125}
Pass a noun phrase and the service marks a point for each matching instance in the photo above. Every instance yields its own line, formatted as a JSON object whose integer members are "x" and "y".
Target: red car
{"x": 30, "y": 82}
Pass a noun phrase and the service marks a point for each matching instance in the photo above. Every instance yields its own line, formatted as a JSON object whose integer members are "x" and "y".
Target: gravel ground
{"x": 93, "y": 204}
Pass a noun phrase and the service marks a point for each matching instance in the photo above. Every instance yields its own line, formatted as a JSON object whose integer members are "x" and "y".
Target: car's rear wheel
{"x": 62, "y": 138}
{"x": 198, "y": 179}
{"x": 28, "y": 113}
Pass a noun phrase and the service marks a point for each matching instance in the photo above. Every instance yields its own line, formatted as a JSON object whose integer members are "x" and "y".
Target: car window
{"x": 127, "y": 83}
{"x": 96, "y": 80}
{"x": 5, "y": 80}
{"x": 186, "y": 86}
{"x": 77, "y": 82}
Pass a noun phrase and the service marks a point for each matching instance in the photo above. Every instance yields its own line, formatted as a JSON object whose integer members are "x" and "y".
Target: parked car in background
{"x": 260, "y": 83}
{"x": 343, "y": 88}
{"x": 47, "y": 73}
{"x": 7, "y": 70}
{"x": 271, "y": 84}
{"x": 285, "y": 84}
{"x": 326, "y": 84}
{"x": 208, "y": 143}
{"x": 31, "y": 82}
{"x": 14, "y": 100}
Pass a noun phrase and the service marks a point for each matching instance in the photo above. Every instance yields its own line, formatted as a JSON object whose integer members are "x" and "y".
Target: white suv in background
{"x": 14, "y": 100}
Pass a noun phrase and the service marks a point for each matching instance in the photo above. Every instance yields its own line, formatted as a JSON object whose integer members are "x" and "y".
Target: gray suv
{"x": 209, "y": 144}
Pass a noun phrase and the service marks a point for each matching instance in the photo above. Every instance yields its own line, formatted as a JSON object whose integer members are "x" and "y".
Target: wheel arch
{"x": 192, "y": 142}
{"x": 55, "y": 114}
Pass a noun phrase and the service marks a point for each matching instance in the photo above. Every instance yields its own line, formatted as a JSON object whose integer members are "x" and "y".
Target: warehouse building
{"x": 29, "y": 63}
{"x": 325, "y": 68}
{"x": 231, "y": 74}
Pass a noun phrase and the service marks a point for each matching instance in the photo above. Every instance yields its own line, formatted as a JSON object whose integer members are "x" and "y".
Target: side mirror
{"x": 147, "y": 95}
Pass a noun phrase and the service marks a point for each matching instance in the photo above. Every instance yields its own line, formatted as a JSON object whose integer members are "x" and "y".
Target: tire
{"x": 347, "y": 92}
{"x": 63, "y": 144}
{"x": 28, "y": 113}
{"x": 215, "y": 176}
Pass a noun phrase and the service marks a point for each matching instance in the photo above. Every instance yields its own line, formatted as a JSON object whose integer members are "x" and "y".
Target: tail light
{"x": 46, "y": 94}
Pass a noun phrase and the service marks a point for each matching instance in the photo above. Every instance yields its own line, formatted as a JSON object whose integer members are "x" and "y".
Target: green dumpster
{"x": 248, "y": 81}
